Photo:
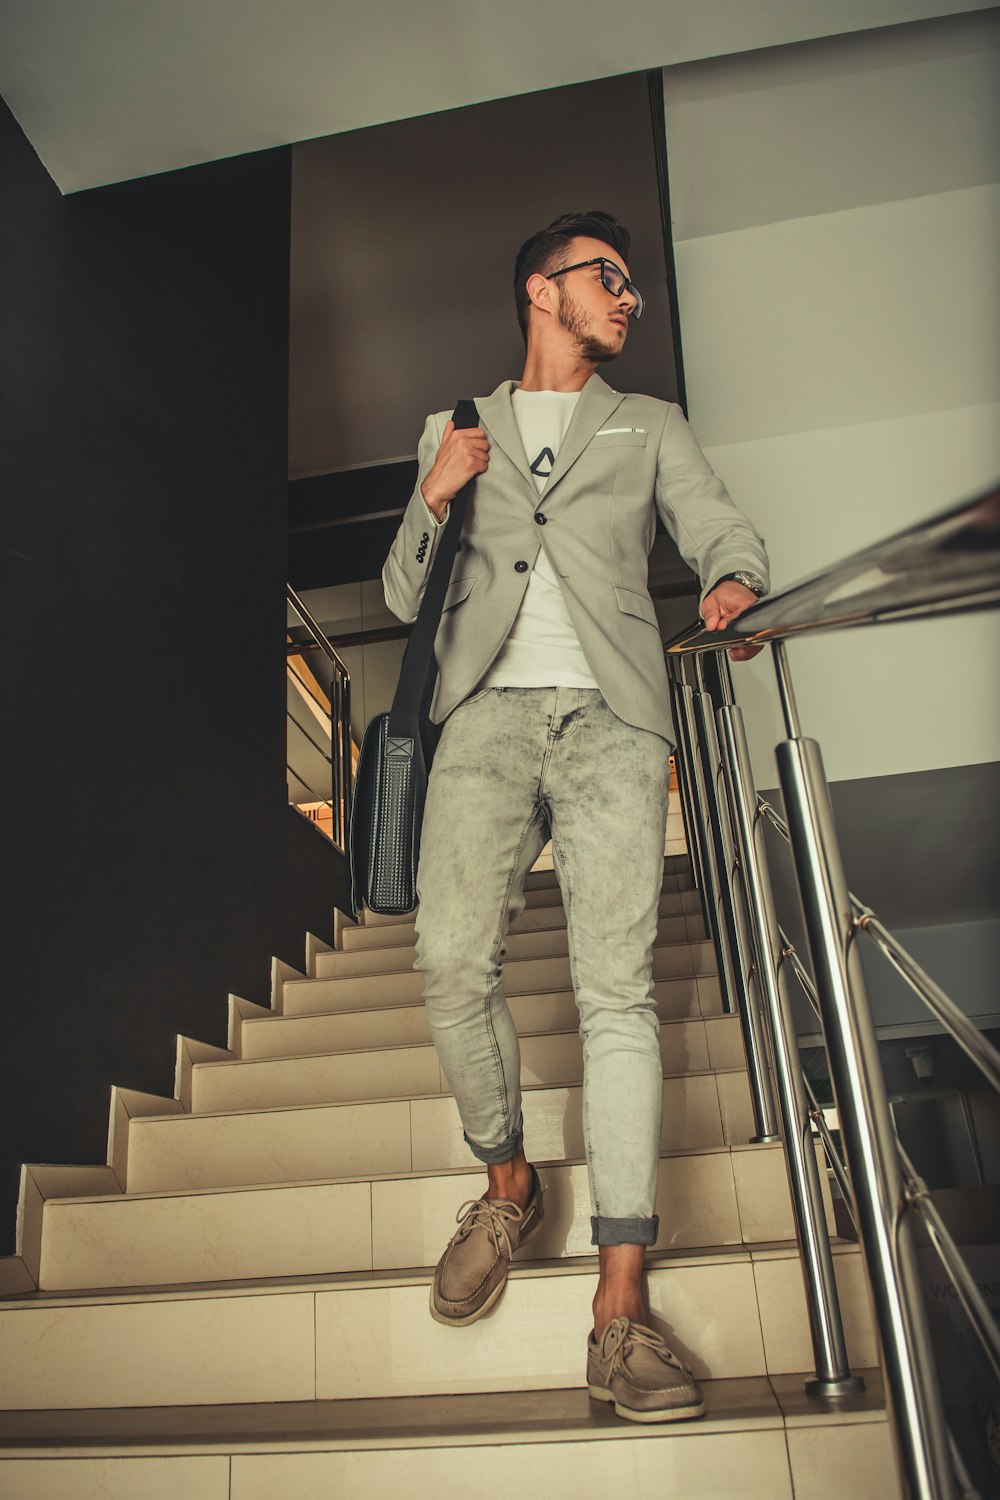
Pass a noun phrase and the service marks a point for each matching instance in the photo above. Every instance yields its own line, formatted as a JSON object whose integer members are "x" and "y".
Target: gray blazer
{"x": 622, "y": 459}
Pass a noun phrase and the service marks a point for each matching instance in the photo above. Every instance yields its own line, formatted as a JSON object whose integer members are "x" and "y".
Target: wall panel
{"x": 840, "y": 320}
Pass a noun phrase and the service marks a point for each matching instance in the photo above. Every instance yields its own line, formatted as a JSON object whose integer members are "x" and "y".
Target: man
{"x": 553, "y": 696}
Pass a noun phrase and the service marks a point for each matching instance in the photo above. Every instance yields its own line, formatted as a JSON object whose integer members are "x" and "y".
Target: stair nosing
{"x": 257, "y": 1426}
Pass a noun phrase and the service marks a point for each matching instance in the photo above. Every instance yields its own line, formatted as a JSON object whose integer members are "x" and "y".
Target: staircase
{"x": 236, "y": 1306}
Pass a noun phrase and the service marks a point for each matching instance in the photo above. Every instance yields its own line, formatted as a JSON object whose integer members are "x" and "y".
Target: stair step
{"x": 432, "y": 1446}
{"x": 273, "y": 1035}
{"x": 548, "y": 894}
{"x": 730, "y": 1313}
{"x": 546, "y": 943}
{"x": 522, "y": 976}
{"x": 532, "y": 919}
{"x": 714, "y": 1197}
{"x": 316, "y": 1141}
{"x": 410, "y": 1071}
{"x": 549, "y": 942}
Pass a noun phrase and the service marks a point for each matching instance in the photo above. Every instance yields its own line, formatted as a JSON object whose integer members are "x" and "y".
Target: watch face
{"x": 751, "y": 582}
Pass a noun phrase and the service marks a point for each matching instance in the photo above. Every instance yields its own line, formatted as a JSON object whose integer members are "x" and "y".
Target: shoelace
{"x": 637, "y": 1333}
{"x": 491, "y": 1215}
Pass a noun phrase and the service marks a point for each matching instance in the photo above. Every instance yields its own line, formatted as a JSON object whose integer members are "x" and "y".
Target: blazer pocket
{"x": 457, "y": 590}
{"x": 631, "y": 602}
{"x": 623, "y": 439}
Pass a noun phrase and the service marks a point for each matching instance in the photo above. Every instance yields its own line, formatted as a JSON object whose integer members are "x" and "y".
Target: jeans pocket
{"x": 475, "y": 697}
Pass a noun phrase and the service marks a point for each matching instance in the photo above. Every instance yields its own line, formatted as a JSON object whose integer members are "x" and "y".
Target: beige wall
{"x": 837, "y": 217}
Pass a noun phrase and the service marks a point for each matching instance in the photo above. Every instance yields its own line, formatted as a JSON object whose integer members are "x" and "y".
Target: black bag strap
{"x": 419, "y": 670}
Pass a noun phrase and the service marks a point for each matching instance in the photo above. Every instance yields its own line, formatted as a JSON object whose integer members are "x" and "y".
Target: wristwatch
{"x": 751, "y": 581}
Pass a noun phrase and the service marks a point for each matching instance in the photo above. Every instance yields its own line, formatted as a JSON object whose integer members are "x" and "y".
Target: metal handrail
{"x": 340, "y": 759}
{"x": 947, "y": 565}
{"x": 316, "y": 631}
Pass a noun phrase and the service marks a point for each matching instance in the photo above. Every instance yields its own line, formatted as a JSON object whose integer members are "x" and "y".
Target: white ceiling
{"x": 108, "y": 90}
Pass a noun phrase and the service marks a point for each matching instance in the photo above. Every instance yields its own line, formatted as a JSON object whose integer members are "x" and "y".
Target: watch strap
{"x": 749, "y": 581}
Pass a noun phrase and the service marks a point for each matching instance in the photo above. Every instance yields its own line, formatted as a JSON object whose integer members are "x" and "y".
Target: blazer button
{"x": 540, "y": 518}
{"x": 521, "y": 567}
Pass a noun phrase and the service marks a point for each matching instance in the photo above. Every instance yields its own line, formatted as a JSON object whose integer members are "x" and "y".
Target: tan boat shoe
{"x": 633, "y": 1367}
{"x": 472, "y": 1272}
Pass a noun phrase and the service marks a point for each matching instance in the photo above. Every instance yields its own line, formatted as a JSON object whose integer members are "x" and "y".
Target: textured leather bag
{"x": 391, "y": 781}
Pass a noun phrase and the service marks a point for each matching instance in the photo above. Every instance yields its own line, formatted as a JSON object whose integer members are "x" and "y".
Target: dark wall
{"x": 426, "y": 314}
{"x": 152, "y": 862}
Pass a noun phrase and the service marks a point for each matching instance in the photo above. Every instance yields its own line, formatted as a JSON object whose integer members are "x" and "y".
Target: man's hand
{"x": 722, "y": 606}
{"x": 464, "y": 453}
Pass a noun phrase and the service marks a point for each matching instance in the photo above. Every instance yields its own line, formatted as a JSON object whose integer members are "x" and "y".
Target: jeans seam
{"x": 567, "y": 895}
{"x": 491, "y": 990}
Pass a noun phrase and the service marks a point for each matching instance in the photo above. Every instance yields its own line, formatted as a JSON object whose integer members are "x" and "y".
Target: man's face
{"x": 596, "y": 320}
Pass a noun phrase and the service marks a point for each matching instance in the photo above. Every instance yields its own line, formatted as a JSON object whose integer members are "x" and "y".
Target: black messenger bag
{"x": 391, "y": 780}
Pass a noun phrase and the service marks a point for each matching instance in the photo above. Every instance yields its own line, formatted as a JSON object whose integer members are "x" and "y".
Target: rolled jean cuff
{"x": 495, "y": 1154}
{"x": 624, "y": 1231}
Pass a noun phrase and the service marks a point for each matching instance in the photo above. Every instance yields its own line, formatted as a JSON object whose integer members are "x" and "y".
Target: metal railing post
{"x": 833, "y": 1372}
{"x": 688, "y": 735}
{"x": 683, "y": 759}
{"x": 866, "y": 1127}
{"x": 751, "y": 1022}
{"x": 346, "y": 767}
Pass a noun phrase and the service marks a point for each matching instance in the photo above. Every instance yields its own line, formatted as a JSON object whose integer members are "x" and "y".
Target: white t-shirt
{"x": 542, "y": 649}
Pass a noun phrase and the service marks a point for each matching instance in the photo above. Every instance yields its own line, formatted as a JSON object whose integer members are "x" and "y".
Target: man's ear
{"x": 541, "y": 291}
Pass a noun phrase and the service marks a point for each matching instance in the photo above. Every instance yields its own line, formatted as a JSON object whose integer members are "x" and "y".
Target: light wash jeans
{"x": 511, "y": 765}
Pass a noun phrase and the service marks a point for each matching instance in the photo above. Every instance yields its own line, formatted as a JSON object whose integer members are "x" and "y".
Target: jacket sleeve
{"x": 408, "y": 565}
{"x": 712, "y": 535}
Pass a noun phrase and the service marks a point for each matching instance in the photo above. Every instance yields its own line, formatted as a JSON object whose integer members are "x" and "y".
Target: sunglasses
{"x": 613, "y": 280}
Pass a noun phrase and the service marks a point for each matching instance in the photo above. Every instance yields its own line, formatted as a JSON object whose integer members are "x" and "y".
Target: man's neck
{"x": 555, "y": 371}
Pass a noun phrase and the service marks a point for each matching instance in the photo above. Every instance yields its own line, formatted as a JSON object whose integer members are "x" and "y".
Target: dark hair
{"x": 544, "y": 250}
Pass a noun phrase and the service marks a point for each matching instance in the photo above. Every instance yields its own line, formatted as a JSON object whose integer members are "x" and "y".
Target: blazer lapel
{"x": 497, "y": 416}
{"x": 597, "y": 402}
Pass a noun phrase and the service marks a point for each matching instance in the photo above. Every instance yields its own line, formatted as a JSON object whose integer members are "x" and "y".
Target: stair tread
{"x": 431, "y": 1094}
{"x": 558, "y": 929}
{"x": 267, "y": 1109}
{"x": 510, "y": 963}
{"x": 411, "y": 1005}
{"x": 414, "y": 1175}
{"x": 580, "y": 1265}
{"x": 228, "y": 1062}
{"x": 747, "y": 1403}
{"x": 413, "y": 1098}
